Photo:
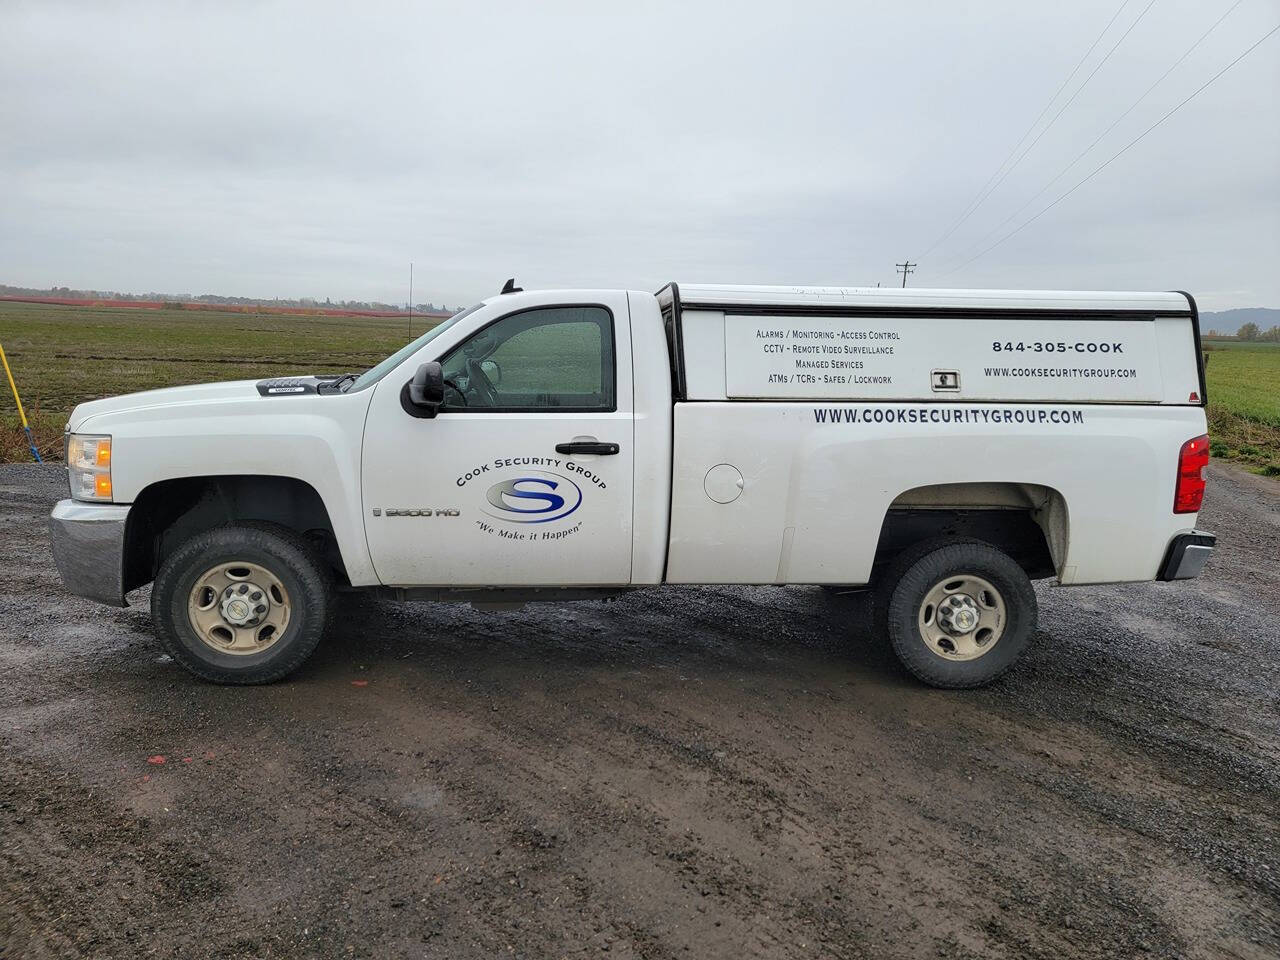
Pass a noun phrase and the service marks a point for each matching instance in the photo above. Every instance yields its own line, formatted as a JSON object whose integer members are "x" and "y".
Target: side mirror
{"x": 423, "y": 396}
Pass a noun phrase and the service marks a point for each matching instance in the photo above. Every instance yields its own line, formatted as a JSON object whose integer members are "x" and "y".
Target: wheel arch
{"x": 1028, "y": 521}
{"x": 168, "y": 512}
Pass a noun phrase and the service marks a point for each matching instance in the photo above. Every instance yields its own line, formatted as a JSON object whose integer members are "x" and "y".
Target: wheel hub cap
{"x": 245, "y": 604}
{"x": 958, "y": 614}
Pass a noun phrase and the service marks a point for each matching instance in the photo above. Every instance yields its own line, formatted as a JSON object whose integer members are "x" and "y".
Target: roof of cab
{"x": 727, "y": 296}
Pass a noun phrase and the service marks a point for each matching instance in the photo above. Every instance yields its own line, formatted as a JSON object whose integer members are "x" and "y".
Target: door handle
{"x": 588, "y": 446}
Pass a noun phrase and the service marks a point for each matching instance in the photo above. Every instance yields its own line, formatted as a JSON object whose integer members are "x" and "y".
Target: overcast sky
{"x": 298, "y": 149}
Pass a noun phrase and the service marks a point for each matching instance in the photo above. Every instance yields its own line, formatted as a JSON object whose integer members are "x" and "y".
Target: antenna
{"x": 510, "y": 287}
{"x": 410, "y": 299}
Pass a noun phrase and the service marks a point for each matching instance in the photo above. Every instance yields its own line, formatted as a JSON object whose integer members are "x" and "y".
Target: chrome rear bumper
{"x": 1187, "y": 555}
{"x": 88, "y": 547}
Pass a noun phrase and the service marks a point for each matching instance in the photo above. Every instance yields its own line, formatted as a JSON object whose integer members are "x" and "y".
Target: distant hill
{"x": 1229, "y": 321}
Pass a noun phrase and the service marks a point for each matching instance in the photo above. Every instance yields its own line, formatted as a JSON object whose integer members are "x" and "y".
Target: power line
{"x": 972, "y": 205}
{"x": 1071, "y": 100}
{"x": 1123, "y": 150}
{"x": 1039, "y": 193}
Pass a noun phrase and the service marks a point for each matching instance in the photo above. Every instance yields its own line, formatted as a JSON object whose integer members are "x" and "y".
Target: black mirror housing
{"x": 423, "y": 396}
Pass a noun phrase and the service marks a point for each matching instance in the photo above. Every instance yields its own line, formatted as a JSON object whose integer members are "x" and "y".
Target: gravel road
{"x": 718, "y": 772}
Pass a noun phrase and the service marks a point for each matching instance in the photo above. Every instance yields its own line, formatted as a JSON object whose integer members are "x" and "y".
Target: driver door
{"x": 525, "y": 476}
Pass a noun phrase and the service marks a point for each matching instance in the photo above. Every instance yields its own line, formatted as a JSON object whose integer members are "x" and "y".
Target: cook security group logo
{"x": 531, "y": 496}
{"x": 534, "y": 497}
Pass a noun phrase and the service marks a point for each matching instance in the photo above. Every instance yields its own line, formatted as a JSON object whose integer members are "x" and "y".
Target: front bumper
{"x": 1187, "y": 555}
{"x": 88, "y": 547}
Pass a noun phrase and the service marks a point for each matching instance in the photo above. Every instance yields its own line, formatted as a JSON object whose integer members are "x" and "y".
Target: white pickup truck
{"x": 944, "y": 447}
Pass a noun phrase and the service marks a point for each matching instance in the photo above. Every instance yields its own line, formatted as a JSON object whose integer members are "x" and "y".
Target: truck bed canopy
{"x": 853, "y": 343}
{"x": 713, "y": 296}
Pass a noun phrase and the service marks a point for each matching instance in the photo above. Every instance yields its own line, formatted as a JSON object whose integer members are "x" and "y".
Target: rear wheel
{"x": 241, "y": 604}
{"x": 959, "y": 614}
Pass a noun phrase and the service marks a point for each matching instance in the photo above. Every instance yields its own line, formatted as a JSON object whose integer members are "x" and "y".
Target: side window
{"x": 554, "y": 358}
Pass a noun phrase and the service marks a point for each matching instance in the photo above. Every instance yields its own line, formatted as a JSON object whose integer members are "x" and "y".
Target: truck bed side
{"x": 792, "y": 469}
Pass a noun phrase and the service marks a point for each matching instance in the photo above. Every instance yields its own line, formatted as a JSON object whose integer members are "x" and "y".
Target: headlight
{"x": 89, "y": 466}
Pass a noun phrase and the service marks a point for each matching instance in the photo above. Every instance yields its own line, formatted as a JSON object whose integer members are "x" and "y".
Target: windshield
{"x": 376, "y": 373}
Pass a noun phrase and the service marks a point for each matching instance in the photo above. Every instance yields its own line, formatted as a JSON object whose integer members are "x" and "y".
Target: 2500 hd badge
{"x": 415, "y": 512}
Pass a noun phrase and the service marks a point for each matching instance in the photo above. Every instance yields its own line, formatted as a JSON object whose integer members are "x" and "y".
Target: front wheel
{"x": 960, "y": 614}
{"x": 241, "y": 604}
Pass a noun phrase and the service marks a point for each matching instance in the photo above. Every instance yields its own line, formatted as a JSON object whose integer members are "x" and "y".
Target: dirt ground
{"x": 719, "y": 772}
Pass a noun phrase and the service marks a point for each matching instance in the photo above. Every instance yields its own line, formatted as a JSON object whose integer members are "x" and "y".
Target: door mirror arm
{"x": 423, "y": 396}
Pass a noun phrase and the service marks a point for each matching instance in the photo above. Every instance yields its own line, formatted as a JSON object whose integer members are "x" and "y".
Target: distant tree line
{"x": 179, "y": 298}
{"x": 1251, "y": 331}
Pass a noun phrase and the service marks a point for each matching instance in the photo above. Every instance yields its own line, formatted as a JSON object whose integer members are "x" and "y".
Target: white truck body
{"x": 764, "y": 435}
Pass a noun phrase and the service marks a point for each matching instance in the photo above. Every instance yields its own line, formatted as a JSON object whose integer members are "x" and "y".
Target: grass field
{"x": 1244, "y": 403}
{"x": 64, "y": 355}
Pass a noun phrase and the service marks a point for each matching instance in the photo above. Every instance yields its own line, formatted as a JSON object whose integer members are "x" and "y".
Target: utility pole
{"x": 904, "y": 269}
{"x": 410, "y": 299}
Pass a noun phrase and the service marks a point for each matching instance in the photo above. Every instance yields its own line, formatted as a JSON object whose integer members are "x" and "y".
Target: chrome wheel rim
{"x": 962, "y": 617}
{"x": 239, "y": 608}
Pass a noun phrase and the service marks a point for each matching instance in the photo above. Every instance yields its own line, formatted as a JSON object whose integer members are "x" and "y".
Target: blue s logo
{"x": 534, "y": 499}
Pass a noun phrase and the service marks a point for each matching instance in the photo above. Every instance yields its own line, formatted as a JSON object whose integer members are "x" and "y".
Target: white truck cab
{"x": 944, "y": 447}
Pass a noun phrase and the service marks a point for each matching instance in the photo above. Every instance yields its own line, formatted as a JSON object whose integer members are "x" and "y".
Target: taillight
{"x": 1192, "y": 459}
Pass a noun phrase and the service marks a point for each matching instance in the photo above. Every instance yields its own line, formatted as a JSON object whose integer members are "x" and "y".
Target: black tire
{"x": 277, "y": 549}
{"x": 883, "y": 581}
{"x": 908, "y": 582}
